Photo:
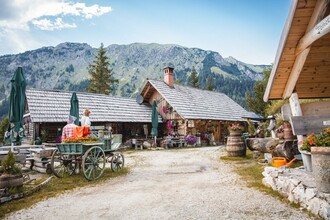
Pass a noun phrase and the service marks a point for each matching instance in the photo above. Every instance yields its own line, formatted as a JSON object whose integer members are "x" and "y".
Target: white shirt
{"x": 85, "y": 121}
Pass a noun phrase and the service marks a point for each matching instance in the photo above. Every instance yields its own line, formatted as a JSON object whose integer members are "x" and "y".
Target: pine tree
{"x": 193, "y": 80}
{"x": 209, "y": 83}
{"x": 101, "y": 80}
{"x": 256, "y": 102}
{"x": 3, "y": 127}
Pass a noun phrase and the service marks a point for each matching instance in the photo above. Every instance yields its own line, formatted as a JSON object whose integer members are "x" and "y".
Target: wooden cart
{"x": 91, "y": 158}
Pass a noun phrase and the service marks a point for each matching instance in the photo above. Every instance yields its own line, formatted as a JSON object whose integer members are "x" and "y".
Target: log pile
{"x": 277, "y": 147}
{"x": 40, "y": 162}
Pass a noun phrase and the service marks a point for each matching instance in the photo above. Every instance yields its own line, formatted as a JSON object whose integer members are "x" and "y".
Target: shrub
{"x": 8, "y": 164}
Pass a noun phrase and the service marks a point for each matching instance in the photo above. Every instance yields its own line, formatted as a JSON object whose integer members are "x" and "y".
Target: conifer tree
{"x": 101, "y": 80}
{"x": 193, "y": 80}
{"x": 256, "y": 103}
{"x": 209, "y": 83}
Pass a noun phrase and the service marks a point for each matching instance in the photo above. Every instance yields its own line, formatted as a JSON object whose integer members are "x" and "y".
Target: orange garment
{"x": 81, "y": 131}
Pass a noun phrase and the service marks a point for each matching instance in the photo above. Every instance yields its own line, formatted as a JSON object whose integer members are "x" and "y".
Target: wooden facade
{"x": 46, "y": 113}
{"x": 188, "y": 110}
{"x": 303, "y": 57}
{"x": 183, "y": 126}
{"x": 302, "y": 66}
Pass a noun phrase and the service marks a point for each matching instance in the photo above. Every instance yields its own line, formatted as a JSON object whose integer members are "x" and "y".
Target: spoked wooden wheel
{"x": 93, "y": 163}
{"x": 63, "y": 165}
{"x": 117, "y": 162}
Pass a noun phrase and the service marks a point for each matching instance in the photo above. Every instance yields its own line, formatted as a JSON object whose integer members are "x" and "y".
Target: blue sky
{"x": 248, "y": 30}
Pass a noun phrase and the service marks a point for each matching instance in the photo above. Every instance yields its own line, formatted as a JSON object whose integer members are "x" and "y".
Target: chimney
{"x": 169, "y": 76}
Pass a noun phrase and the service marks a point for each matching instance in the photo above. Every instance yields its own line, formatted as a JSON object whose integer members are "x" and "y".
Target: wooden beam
{"x": 296, "y": 111}
{"x": 147, "y": 90}
{"x": 313, "y": 35}
{"x": 295, "y": 73}
{"x": 318, "y": 13}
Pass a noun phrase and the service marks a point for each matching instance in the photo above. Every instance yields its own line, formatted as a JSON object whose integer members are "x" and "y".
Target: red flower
{"x": 311, "y": 141}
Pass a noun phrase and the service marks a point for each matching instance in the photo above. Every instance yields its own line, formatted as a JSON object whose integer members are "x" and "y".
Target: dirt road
{"x": 176, "y": 184}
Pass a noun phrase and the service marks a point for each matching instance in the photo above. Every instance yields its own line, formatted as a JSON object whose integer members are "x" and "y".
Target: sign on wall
{"x": 191, "y": 124}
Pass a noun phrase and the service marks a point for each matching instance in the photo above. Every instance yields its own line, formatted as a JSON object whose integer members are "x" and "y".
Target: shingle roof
{"x": 193, "y": 103}
{"x": 54, "y": 106}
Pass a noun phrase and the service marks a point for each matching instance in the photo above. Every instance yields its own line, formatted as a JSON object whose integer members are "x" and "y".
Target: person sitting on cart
{"x": 68, "y": 130}
{"x": 85, "y": 121}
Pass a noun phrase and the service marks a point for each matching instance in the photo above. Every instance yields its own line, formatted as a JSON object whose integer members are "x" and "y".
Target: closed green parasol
{"x": 154, "y": 120}
{"x": 74, "y": 109}
{"x": 16, "y": 107}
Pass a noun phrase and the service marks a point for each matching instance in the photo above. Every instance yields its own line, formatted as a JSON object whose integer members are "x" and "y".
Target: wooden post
{"x": 185, "y": 127}
{"x": 296, "y": 111}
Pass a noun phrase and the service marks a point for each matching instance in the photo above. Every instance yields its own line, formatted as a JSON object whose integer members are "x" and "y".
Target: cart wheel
{"x": 117, "y": 162}
{"x": 62, "y": 165}
{"x": 93, "y": 163}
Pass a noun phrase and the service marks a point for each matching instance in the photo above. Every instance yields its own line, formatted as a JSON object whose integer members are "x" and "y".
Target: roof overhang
{"x": 302, "y": 62}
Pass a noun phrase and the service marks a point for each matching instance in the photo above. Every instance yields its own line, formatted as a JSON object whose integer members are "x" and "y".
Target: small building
{"x": 46, "y": 112}
{"x": 302, "y": 67}
{"x": 189, "y": 110}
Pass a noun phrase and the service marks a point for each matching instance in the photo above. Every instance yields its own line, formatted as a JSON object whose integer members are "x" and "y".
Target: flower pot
{"x": 307, "y": 160}
{"x": 7, "y": 181}
{"x": 321, "y": 168}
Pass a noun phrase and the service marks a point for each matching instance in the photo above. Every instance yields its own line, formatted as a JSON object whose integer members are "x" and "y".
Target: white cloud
{"x": 17, "y": 16}
{"x": 26, "y": 12}
{"x": 48, "y": 25}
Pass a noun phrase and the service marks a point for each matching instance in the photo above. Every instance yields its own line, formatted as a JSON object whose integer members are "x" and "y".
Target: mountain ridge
{"x": 65, "y": 67}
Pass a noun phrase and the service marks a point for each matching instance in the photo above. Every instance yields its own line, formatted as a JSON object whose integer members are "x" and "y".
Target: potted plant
{"x": 280, "y": 132}
{"x": 190, "y": 139}
{"x": 12, "y": 174}
{"x": 319, "y": 146}
{"x": 287, "y": 131}
{"x": 235, "y": 129}
{"x": 205, "y": 139}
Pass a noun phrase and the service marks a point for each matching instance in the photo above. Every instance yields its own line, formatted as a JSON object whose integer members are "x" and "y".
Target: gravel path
{"x": 177, "y": 184}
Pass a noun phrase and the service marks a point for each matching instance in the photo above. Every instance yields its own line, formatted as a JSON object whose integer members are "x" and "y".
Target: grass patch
{"x": 251, "y": 173}
{"x": 248, "y": 156}
{"x": 56, "y": 187}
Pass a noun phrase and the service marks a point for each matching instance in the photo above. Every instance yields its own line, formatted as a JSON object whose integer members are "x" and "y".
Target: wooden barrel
{"x": 235, "y": 146}
{"x": 235, "y": 133}
{"x": 11, "y": 181}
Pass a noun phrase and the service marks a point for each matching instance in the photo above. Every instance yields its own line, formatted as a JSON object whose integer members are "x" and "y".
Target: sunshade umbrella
{"x": 16, "y": 106}
{"x": 154, "y": 120}
{"x": 74, "y": 108}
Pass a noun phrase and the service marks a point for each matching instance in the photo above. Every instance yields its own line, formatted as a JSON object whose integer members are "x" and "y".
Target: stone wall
{"x": 299, "y": 187}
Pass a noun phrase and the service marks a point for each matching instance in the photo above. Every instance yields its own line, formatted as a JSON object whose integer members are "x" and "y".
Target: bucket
{"x": 321, "y": 168}
{"x": 235, "y": 146}
{"x": 278, "y": 161}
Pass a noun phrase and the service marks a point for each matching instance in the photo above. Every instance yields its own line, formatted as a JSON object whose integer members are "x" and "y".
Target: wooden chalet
{"x": 47, "y": 111}
{"x": 190, "y": 110}
{"x": 302, "y": 66}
